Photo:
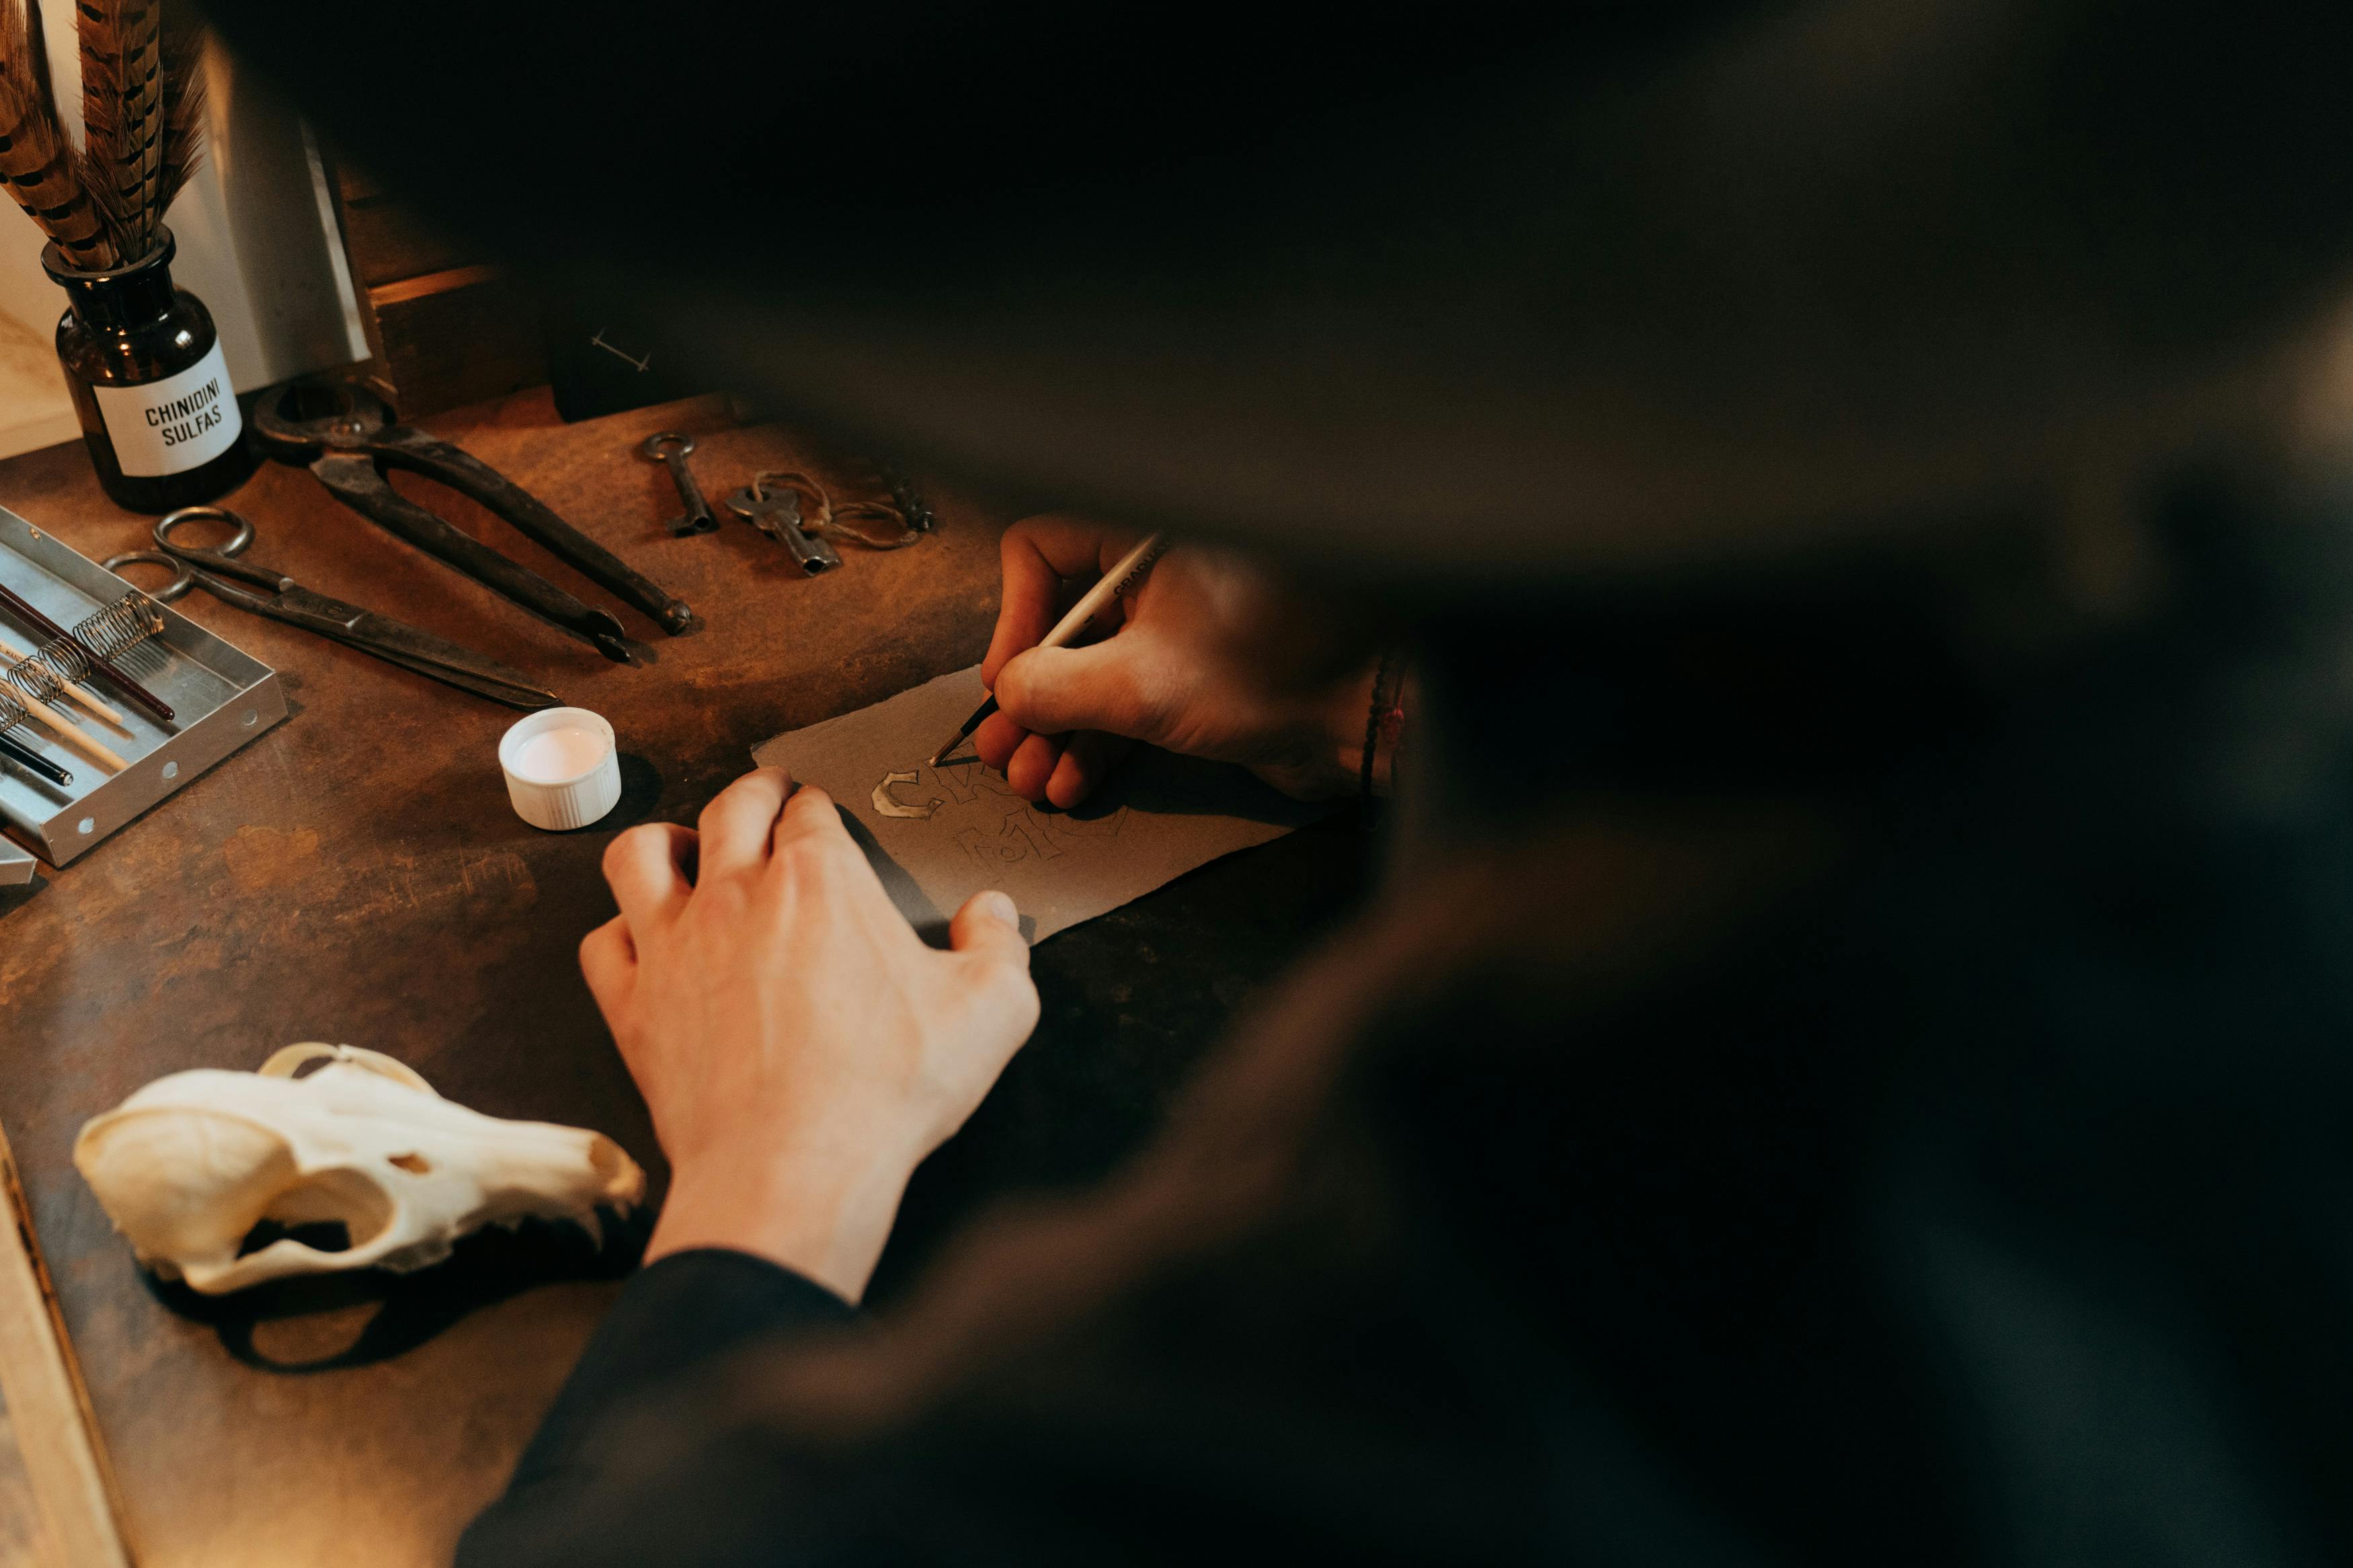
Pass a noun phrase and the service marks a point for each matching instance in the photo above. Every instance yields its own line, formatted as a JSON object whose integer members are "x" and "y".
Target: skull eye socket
{"x": 344, "y": 1198}
{"x": 319, "y": 1235}
{"x": 232, "y": 1187}
{"x": 415, "y": 1164}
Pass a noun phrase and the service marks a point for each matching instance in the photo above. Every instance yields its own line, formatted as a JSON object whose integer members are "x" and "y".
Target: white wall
{"x": 257, "y": 244}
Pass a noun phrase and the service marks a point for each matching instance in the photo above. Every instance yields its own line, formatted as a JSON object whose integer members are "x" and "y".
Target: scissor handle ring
{"x": 172, "y": 520}
{"x": 653, "y": 445}
{"x": 183, "y": 576}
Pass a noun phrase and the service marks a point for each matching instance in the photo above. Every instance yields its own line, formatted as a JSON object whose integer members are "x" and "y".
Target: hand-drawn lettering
{"x": 990, "y": 852}
{"x": 1026, "y": 823}
{"x": 1020, "y": 837}
{"x": 961, "y": 778}
{"x": 890, "y": 804}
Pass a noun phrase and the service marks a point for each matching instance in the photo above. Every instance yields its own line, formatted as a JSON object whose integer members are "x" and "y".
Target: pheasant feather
{"x": 183, "y": 113}
{"x": 122, "y": 115}
{"x": 35, "y": 163}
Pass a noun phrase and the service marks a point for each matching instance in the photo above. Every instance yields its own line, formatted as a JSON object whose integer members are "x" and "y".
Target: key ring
{"x": 825, "y": 521}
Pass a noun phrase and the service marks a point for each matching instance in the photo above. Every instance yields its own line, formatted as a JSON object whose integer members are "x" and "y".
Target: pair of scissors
{"x": 217, "y": 571}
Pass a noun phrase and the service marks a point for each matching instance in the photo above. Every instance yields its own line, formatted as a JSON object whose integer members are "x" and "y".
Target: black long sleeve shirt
{"x": 1988, "y": 1199}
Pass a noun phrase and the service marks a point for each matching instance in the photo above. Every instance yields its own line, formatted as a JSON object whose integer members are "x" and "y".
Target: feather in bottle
{"x": 34, "y": 161}
{"x": 143, "y": 362}
{"x": 184, "y": 113}
{"x": 122, "y": 115}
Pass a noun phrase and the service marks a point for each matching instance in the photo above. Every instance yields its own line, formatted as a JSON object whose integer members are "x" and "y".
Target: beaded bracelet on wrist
{"x": 1384, "y": 721}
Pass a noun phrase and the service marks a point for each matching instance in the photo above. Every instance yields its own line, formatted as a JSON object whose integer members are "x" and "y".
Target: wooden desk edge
{"x": 73, "y": 1488}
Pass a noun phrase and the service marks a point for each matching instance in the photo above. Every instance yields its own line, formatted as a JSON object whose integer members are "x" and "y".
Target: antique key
{"x": 779, "y": 516}
{"x": 672, "y": 448}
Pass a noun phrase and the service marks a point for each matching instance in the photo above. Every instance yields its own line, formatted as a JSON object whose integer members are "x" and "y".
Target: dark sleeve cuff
{"x": 671, "y": 1317}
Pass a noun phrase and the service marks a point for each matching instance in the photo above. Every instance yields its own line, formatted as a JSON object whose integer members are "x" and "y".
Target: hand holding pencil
{"x": 1126, "y": 577}
{"x": 1201, "y": 653}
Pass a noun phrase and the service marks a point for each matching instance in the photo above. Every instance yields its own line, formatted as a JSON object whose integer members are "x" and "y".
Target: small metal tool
{"x": 219, "y": 571}
{"x": 672, "y": 448}
{"x": 777, "y": 514}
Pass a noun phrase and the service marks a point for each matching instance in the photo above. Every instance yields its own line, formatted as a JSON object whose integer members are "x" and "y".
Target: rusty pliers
{"x": 345, "y": 433}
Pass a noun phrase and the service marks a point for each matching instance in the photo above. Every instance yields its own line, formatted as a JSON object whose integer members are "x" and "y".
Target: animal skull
{"x": 192, "y": 1162}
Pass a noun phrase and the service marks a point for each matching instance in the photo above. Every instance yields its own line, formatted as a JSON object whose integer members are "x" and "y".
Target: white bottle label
{"x": 171, "y": 425}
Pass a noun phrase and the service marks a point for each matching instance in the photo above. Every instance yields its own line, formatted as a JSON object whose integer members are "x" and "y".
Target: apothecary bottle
{"x": 149, "y": 383}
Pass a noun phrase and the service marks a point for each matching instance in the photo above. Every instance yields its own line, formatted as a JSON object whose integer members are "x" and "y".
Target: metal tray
{"x": 223, "y": 699}
{"x": 15, "y": 865}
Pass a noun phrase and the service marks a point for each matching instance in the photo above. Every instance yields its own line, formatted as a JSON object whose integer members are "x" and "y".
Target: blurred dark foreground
{"x": 1849, "y": 1064}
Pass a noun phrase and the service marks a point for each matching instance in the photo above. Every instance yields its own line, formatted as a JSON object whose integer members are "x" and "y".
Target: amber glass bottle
{"x": 144, "y": 366}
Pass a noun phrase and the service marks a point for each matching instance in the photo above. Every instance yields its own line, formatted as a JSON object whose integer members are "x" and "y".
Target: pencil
{"x": 50, "y": 628}
{"x": 25, "y": 757}
{"x": 65, "y": 730}
{"x": 84, "y": 698}
{"x": 1119, "y": 580}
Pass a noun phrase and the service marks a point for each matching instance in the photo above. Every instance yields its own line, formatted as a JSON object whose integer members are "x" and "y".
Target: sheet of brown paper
{"x": 1159, "y": 817}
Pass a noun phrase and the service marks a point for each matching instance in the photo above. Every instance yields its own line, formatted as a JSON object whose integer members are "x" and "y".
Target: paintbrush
{"x": 1121, "y": 579}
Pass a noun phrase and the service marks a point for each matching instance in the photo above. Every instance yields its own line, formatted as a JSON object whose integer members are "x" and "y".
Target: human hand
{"x": 1208, "y": 657}
{"x": 800, "y": 1049}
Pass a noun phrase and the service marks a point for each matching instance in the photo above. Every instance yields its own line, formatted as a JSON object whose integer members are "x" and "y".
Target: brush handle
{"x": 81, "y": 695}
{"x": 64, "y": 732}
{"x": 32, "y": 762}
{"x": 1122, "y": 578}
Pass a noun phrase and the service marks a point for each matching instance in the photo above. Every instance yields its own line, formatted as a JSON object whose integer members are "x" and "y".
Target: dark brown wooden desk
{"x": 357, "y": 876}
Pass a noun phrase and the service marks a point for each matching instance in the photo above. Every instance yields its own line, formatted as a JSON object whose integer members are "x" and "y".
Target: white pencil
{"x": 81, "y": 695}
{"x": 67, "y": 733}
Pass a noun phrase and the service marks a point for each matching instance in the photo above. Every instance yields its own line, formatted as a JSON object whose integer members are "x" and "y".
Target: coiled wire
{"x": 97, "y": 638}
{"x": 13, "y": 713}
{"x": 44, "y": 674}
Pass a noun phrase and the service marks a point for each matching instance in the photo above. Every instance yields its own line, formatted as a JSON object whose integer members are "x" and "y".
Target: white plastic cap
{"x": 562, "y": 769}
